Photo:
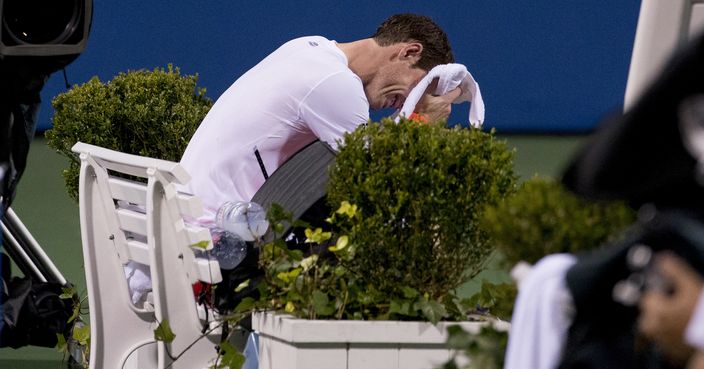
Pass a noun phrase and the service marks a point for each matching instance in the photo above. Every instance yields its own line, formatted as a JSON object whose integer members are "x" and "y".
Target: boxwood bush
{"x": 149, "y": 113}
{"x": 421, "y": 190}
{"x": 543, "y": 218}
{"x": 408, "y": 200}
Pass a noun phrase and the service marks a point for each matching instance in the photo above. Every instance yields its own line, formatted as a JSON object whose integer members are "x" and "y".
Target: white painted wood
{"x": 663, "y": 27}
{"x": 124, "y": 220}
{"x": 289, "y": 343}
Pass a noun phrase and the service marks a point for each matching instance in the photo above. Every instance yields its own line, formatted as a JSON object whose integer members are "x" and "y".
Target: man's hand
{"x": 436, "y": 108}
{"x": 663, "y": 316}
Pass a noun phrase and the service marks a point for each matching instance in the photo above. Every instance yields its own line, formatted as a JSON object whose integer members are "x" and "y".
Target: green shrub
{"x": 420, "y": 191}
{"x": 543, "y": 218}
{"x": 148, "y": 113}
{"x": 408, "y": 200}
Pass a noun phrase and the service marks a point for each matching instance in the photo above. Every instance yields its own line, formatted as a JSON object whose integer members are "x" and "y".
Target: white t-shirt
{"x": 302, "y": 91}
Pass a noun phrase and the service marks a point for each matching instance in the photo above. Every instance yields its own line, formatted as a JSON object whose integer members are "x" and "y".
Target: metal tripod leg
{"x": 26, "y": 252}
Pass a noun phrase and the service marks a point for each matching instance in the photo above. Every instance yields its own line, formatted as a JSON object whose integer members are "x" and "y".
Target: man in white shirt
{"x": 309, "y": 88}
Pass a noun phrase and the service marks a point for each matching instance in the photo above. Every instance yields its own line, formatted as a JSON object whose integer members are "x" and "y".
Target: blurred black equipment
{"x": 37, "y": 38}
{"x": 651, "y": 157}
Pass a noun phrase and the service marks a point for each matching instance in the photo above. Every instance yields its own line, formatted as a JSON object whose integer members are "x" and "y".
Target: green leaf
{"x": 341, "y": 243}
{"x": 400, "y": 307}
{"x": 82, "y": 334}
{"x": 201, "y": 244}
{"x": 321, "y": 304}
{"x": 309, "y": 234}
{"x": 317, "y": 235}
{"x": 245, "y": 305}
{"x": 308, "y": 262}
{"x": 67, "y": 293}
{"x": 432, "y": 310}
{"x": 347, "y": 209}
{"x": 74, "y": 315}
{"x": 289, "y": 276}
{"x": 290, "y": 307}
{"x": 458, "y": 338}
{"x": 61, "y": 345}
{"x": 409, "y": 292}
{"x": 163, "y": 332}
{"x": 242, "y": 286}
{"x": 231, "y": 357}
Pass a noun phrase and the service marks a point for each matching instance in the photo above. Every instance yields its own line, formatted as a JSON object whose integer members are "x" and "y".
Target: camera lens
{"x": 40, "y": 22}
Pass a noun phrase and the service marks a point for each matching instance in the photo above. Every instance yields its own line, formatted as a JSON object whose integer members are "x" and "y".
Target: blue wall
{"x": 543, "y": 66}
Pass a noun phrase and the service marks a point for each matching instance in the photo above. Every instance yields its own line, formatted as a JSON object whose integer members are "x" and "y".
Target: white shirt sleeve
{"x": 694, "y": 334}
{"x": 335, "y": 106}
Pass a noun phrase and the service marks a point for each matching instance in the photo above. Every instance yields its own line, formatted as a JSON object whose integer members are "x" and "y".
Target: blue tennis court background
{"x": 543, "y": 66}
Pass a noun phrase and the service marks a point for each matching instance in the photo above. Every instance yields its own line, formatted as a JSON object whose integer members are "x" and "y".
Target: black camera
{"x": 44, "y": 27}
{"x": 37, "y": 38}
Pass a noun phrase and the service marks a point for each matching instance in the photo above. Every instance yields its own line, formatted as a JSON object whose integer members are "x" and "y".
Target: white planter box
{"x": 290, "y": 343}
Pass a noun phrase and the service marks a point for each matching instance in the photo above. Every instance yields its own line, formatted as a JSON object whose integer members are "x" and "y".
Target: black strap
{"x": 261, "y": 163}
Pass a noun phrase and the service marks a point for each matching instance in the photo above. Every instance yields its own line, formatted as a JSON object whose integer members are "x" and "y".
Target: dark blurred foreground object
{"x": 606, "y": 287}
{"x": 37, "y": 38}
{"x": 639, "y": 156}
{"x": 650, "y": 157}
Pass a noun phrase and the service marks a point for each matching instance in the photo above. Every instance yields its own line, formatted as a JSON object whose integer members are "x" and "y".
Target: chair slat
{"x": 127, "y": 190}
{"x": 139, "y": 251}
{"x": 132, "y": 221}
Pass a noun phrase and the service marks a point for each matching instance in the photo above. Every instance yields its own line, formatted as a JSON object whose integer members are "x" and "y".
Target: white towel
{"x": 542, "y": 315}
{"x": 450, "y": 76}
{"x": 694, "y": 334}
{"x": 139, "y": 281}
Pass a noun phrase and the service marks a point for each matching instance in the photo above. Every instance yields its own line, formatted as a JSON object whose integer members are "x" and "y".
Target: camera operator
{"x": 674, "y": 320}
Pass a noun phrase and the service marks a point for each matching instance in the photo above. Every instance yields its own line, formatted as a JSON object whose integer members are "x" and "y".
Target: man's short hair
{"x": 417, "y": 28}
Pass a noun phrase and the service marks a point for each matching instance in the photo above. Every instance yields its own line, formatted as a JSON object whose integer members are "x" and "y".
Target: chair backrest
{"x": 663, "y": 27}
{"x": 126, "y": 219}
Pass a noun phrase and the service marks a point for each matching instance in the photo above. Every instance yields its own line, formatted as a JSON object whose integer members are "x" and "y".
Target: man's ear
{"x": 411, "y": 52}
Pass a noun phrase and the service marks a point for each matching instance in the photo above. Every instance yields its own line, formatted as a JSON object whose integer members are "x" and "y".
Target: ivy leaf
{"x": 432, "y": 310}
{"x": 290, "y": 307}
{"x": 309, "y": 234}
{"x": 67, "y": 293}
{"x": 74, "y": 315}
{"x": 409, "y": 292}
{"x": 201, "y": 244}
{"x": 82, "y": 334}
{"x": 400, "y": 307}
{"x": 347, "y": 209}
{"x": 242, "y": 286}
{"x": 308, "y": 262}
{"x": 317, "y": 235}
{"x": 342, "y": 242}
{"x": 231, "y": 358}
{"x": 246, "y": 304}
{"x": 289, "y": 276}
{"x": 61, "y": 345}
{"x": 458, "y": 338}
{"x": 321, "y": 303}
{"x": 300, "y": 224}
{"x": 163, "y": 332}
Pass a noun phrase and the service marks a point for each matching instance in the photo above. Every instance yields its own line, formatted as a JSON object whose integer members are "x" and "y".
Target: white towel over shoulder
{"x": 450, "y": 76}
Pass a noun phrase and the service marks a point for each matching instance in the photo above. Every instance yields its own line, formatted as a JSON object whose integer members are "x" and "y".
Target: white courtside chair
{"x": 112, "y": 235}
{"x": 663, "y": 27}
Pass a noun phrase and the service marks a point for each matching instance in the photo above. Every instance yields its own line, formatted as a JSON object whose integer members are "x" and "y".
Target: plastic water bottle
{"x": 245, "y": 219}
{"x": 228, "y": 248}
